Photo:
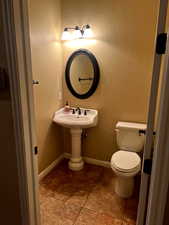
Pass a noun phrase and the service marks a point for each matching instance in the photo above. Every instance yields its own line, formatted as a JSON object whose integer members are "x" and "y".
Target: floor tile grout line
{"x": 78, "y": 216}
{"x": 99, "y": 213}
{"x": 86, "y": 202}
{"x": 80, "y": 210}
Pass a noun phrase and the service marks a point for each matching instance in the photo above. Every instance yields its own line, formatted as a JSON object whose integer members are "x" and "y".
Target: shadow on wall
{"x": 53, "y": 134}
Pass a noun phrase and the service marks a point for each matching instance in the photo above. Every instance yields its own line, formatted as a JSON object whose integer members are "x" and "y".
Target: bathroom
{"x": 123, "y": 45}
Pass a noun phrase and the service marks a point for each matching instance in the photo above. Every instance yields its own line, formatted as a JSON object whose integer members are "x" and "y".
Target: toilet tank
{"x": 128, "y": 137}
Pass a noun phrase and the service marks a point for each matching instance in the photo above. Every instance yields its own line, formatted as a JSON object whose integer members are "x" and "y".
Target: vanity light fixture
{"x": 66, "y": 35}
{"x": 87, "y": 32}
{"x": 77, "y": 33}
{"x": 70, "y": 33}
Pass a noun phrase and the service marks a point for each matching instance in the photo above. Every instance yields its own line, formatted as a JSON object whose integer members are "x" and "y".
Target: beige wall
{"x": 10, "y": 205}
{"x": 123, "y": 45}
{"x": 45, "y": 23}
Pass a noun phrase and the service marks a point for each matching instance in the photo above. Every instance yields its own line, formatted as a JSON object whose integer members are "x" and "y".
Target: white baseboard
{"x": 50, "y": 167}
{"x": 67, "y": 156}
{"x": 91, "y": 160}
{"x": 97, "y": 162}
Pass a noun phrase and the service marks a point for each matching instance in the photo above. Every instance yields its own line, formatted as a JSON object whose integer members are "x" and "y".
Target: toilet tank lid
{"x": 130, "y": 125}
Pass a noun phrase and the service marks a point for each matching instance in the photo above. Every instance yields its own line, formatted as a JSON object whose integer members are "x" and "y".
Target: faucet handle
{"x": 73, "y": 111}
{"x": 79, "y": 111}
{"x": 85, "y": 112}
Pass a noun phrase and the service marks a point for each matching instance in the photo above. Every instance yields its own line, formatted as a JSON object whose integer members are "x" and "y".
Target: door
{"x": 16, "y": 29}
{"x": 21, "y": 19}
{"x": 148, "y": 150}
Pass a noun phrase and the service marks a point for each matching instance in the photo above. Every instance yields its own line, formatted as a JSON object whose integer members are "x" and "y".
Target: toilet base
{"x": 124, "y": 186}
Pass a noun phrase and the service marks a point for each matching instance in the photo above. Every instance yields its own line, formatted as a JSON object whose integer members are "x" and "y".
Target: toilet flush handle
{"x": 143, "y": 132}
{"x": 116, "y": 130}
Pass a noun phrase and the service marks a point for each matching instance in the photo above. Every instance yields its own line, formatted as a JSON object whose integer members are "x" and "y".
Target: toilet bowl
{"x": 125, "y": 165}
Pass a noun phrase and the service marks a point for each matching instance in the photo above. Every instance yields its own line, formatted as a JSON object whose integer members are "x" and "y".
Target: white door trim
{"x": 15, "y": 22}
{"x": 160, "y": 175}
{"x": 145, "y": 178}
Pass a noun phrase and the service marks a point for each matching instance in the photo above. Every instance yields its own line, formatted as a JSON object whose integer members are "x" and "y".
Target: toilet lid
{"x": 125, "y": 161}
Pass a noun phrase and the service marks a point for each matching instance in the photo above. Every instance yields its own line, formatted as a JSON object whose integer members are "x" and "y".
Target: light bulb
{"x": 77, "y": 33}
{"x": 66, "y": 35}
{"x": 87, "y": 32}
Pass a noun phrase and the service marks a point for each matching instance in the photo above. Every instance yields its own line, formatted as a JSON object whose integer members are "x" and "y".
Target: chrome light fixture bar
{"x": 76, "y": 32}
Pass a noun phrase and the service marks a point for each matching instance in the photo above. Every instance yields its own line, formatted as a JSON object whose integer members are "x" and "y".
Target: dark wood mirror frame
{"x": 95, "y": 69}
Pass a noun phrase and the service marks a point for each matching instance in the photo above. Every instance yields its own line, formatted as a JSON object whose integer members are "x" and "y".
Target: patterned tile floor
{"x": 84, "y": 198}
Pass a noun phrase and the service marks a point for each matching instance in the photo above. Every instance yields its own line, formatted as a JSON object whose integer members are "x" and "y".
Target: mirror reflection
{"x": 81, "y": 74}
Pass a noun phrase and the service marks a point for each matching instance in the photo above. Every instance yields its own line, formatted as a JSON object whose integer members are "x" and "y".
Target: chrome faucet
{"x": 79, "y": 110}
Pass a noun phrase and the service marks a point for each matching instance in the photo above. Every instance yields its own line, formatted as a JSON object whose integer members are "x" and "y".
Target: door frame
{"x": 148, "y": 149}
{"x": 15, "y": 14}
{"x": 18, "y": 52}
{"x": 159, "y": 184}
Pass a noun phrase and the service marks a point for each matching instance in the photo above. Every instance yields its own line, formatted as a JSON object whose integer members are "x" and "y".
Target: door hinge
{"x": 144, "y": 132}
{"x": 147, "y": 166}
{"x": 161, "y": 43}
{"x": 36, "y": 150}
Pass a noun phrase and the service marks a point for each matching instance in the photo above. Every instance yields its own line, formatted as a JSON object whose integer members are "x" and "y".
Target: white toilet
{"x": 126, "y": 162}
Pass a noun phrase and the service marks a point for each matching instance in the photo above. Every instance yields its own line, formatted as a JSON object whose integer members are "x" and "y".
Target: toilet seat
{"x": 125, "y": 161}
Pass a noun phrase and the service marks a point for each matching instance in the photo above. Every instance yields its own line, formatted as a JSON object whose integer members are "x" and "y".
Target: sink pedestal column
{"x": 76, "y": 162}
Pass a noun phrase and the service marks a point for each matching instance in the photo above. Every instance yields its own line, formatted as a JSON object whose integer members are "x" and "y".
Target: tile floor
{"x": 84, "y": 198}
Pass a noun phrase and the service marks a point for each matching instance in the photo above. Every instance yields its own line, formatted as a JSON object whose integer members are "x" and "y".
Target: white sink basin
{"x": 76, "y": 123}
{"x": 70, "y": 120}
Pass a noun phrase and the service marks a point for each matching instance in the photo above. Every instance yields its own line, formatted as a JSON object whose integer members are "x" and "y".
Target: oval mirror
{"x": 82, "y": 74}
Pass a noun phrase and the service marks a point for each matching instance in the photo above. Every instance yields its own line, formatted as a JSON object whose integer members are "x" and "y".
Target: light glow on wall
{"x": 78, "y": 43}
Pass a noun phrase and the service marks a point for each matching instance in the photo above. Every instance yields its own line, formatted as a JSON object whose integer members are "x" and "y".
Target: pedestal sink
{"x": 75, "y": 122}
